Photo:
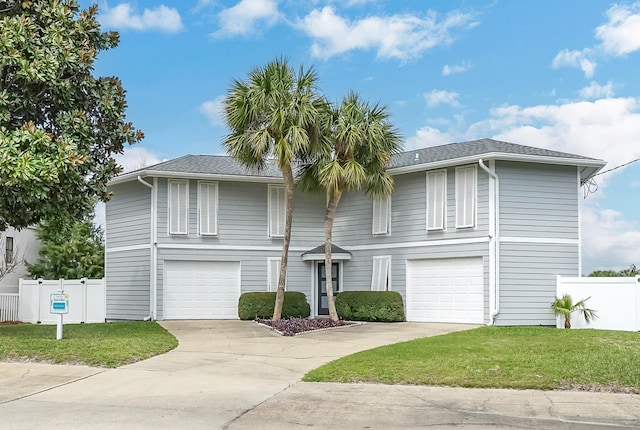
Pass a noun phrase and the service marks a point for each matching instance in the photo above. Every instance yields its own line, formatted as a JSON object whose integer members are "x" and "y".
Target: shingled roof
{"x": 226, "y": 166}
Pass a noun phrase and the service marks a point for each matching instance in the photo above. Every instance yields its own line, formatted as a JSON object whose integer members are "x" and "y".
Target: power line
{"x": 617, "y": 167}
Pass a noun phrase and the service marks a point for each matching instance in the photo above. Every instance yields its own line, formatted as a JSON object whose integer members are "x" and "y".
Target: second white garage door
{"x": 445, "y": 290}
{"x": 201, "y": 289}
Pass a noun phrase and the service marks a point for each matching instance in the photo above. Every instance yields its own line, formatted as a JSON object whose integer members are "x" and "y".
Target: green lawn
{"x": 499, "y": 357}
{"x": 101, "y": 345}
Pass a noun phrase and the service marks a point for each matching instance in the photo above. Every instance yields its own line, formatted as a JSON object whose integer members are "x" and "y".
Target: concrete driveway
{"x": 237, "y": 375}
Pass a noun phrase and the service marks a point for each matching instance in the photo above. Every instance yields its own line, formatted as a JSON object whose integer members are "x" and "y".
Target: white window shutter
{"x": 273, "y": 269}
{"x": 277, "y": 211}
{"x": 380, "y": 274}
{"x": 178, "y": 207}
{"x": 466, "y": 197}
{"x": 436, "y": 200}
{"x": 381, "y": 215}
{"x": 208, "y": 194}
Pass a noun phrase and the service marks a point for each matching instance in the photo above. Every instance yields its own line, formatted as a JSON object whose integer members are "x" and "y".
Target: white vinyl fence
{"x": 8, "y": 307}
{"x": 86, "y": 300}
{"x": 616, "y": 301}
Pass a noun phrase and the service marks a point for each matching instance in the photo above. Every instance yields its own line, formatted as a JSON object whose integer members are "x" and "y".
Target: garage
{"x": 201, "y": 289}
{"x": 447, "y": 290}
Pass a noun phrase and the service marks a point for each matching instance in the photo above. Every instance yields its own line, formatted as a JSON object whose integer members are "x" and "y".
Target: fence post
{"x": 83, "y": 282}
{"x": 39, "y": 296}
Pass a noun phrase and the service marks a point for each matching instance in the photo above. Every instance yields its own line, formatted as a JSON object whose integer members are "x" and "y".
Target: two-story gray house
{"x": 474, "y": 232}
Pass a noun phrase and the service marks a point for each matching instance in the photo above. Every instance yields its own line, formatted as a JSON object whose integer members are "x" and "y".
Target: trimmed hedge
{"x": 384, "y": 306}
{"x": 260, "y": 305}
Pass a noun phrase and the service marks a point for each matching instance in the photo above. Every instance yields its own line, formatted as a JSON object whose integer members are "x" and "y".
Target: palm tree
{"x": 564, "y": 307}
{"x": 273, "y": 113}
{"x": 358, "y": 143}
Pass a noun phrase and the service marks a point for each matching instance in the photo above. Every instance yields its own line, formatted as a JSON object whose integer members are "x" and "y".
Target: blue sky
{"x": 562, "y": 75}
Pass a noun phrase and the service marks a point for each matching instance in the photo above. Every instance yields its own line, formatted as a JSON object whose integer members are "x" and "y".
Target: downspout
{"x": 153, "y": 267}
{"x": 494, "y": 245}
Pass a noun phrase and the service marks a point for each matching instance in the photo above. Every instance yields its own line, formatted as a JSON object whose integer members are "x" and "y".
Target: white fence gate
{"x": 616, "y": 301}
{"x": 86, "y": 300}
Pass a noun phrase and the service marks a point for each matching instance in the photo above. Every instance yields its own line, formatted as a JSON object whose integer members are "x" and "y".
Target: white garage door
{"x": 201, "y": 289}
{"x": 445, "y": 290}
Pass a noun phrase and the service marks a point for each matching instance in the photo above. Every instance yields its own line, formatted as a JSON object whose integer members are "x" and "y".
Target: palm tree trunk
{"x": 287, "y": 175}
{"x": 567, "y": 321}
{"x": 330, "y": 215}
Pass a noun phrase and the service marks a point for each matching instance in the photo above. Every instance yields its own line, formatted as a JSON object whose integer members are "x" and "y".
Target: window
{"x": 381, "y": 216}
{"x": 178, "y": 207}
{"x": 277, "y": 210}
{"x": 466, "y": 197}
{"x": 380, "y": 278}
{"x": 273, "y": 274}
{"x": 436, "y": 199}
{"x": 208, "y": 208}
{"x": 8, "y": 248}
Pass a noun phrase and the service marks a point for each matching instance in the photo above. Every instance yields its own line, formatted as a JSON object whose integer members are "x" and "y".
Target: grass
{"x": 500, "y": 357}
{"x": 100, "y": 345}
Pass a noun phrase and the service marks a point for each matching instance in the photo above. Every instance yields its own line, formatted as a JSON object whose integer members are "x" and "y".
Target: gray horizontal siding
{"x": 243, "y": 217}
{"x": 538, "y": 200}
{"x": 528, "y": 280}
{"x": 127, "y": 284}
{"x": 408, "y": 213}
{"x": 128, "y": 215}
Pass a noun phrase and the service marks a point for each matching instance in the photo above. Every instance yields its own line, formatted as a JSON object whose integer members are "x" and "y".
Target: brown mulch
{"x": 294, "y": 326}
{"x": 10, "y": 322}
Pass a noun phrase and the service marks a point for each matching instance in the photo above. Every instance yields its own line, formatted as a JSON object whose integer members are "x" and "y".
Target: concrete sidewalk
{"x": 237, "y": 375}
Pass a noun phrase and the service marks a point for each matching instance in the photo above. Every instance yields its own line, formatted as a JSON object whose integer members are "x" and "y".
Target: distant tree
{"x": 59, "y": 125}
{"x": 631, "y": 271}
{"x": 273, "y": 113}
{"x": 359, "y": 141}
{"x": 69, "y": 249}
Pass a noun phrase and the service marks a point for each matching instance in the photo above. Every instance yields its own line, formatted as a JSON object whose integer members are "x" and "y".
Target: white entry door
{"x": 445, "y": 290}
{"x": 201, "y": 289}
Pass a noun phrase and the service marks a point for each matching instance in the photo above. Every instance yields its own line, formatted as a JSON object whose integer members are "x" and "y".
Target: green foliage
{"x": 630, "y": 272}
{"x": 384, "y": 306}
{"x": 564, "y": 307}
{"x": 70, "y": 250}
{"x": 100, "y": 345}
{"x": 260, "y": 305}
{"x": 499, "y": 357}
{"x": 59, "y": 125}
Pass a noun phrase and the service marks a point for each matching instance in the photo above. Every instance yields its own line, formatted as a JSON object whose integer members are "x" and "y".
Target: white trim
{"x": 502, "y": 156}
{"x": 522, "y": 239}
{"x": 186, "y": 175}
{"x": 128, "y": 248}
{"x": 434, "y": 174}
{"x": 419, "y": 244}
{"x": 337, "y": 256}
{"x": 199, "y": 207}
{"x": 215, "y": 247}
{"x": 474, "y": 196}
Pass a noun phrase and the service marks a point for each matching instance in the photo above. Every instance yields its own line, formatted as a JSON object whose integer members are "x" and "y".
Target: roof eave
{"x": 184, "y": 175}
{"x": 582, "y": 162}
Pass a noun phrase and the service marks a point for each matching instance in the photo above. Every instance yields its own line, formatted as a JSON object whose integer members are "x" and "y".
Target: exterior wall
{"x": 25, "y": 248}
{"x": 127, "y": 252}
{"x": 539, "y": 238}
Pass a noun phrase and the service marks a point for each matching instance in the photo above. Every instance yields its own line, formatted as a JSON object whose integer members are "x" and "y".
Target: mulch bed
{"x": 10, "y": 322}
{"x": 294, "y": 326}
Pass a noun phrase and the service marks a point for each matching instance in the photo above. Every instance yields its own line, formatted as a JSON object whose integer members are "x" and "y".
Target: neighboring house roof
{"x": 225, "y": 167}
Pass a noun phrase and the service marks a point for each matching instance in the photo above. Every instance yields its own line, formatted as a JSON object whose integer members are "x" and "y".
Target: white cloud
{"x": 404, "y": 37}
{"x": 448, "y": 70}
{"x": 246, "y": 16}
{"x": 609, "y": 240}
{"x": 581, "y": 59}
{"x": 136, "y": 157}
{"x": 621, "y": 34}
{"x": 161, "y": 18}
{"x": 214, "y": 111}
{"x": 428, "y": 136}
{"x": 597, "y": 91}
{"x": 439, "y": 97}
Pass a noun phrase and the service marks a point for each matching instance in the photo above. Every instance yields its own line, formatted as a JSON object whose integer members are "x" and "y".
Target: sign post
{"x": 59, "y": 306}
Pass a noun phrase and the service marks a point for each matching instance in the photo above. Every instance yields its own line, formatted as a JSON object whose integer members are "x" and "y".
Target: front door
{"x": 323, "y": 304}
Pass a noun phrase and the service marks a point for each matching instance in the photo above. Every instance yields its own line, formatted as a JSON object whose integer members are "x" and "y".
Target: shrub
{"x": 385, "y": 306}
{"x": 260, "y": 305}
